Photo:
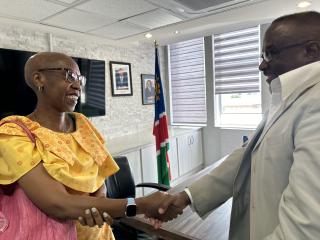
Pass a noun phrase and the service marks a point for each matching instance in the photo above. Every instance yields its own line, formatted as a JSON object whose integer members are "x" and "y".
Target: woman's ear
{"x": 37, "y": 80}
{"x": 313, "y": 51}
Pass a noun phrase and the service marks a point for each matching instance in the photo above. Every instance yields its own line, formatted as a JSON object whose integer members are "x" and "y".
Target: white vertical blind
{"x": 236, "y": 61}
{"x": 187, "y": 82}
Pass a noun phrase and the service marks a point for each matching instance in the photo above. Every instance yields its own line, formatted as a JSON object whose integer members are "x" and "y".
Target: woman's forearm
{"x": 52, "y": 198}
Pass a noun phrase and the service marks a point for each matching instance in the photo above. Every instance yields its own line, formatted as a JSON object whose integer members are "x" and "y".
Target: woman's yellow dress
{"x": 79, "y": 160}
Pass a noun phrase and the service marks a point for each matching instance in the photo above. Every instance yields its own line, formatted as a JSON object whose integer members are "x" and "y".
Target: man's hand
{"x": 178, "y": 203}
{"x": 151, "y": 204}
{"x": 165, "y": 207}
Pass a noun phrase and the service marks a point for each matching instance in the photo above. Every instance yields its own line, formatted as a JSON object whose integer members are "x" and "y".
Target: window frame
{"x": 171, "y": 118}
{"x": 217, "y": 97}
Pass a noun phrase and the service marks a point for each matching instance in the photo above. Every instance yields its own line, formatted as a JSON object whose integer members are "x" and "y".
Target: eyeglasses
{"x": 268, "y": 55}
{"x": 71, "y": 76}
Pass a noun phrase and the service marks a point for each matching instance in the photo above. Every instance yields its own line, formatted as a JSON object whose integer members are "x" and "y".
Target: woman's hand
{"x": 93, "y": 217}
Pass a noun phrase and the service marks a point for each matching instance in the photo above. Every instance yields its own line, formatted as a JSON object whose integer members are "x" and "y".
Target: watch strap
{"x": 131, "y": 201}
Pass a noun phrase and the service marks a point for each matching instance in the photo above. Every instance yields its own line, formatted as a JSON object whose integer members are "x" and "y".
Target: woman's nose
{"x": 76, "y": 85}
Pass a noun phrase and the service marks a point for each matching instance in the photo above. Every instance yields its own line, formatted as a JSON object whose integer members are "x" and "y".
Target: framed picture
{"x": 121, "y": 79}
{"x": 147, "y": 86}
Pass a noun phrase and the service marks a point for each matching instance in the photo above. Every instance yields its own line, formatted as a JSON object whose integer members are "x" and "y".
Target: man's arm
{"x": 211, "y": 190}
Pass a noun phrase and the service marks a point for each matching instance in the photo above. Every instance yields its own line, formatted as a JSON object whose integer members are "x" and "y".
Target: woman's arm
{"x": 52, "y": 198}
{"x": 101, "y": 192}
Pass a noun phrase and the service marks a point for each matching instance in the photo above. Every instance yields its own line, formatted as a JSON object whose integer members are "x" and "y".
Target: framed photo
{"x": 121, "y": 79}
{"x": 147, "y": 86}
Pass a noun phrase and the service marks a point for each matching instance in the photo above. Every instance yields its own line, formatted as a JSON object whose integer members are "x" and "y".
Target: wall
{"x": 124, "y": 115}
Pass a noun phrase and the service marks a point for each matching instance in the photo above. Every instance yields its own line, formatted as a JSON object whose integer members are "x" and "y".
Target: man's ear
{"x": 313, "y": 51}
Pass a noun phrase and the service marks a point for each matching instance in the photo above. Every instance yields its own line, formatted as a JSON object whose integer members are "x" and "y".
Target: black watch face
{"x": 131, "y": 210}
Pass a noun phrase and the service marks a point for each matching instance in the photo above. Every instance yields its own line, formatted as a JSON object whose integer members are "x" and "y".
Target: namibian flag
{"x": 160, "y": 128}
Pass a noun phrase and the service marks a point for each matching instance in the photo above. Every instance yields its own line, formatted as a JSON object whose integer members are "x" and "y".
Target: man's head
{"x": 55, "y": 78}
{"x": 291, "y": 41}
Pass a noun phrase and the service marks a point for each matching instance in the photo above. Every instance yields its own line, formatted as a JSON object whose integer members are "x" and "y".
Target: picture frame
{"x": 121, "y": 78}
{"x": 147, "y": 88}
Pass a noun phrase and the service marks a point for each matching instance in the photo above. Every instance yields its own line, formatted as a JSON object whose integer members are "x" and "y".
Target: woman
{"x": 54, "y": 161}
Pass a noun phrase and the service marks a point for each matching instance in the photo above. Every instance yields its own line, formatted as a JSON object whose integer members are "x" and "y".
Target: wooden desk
{"x": 189, "y": 226}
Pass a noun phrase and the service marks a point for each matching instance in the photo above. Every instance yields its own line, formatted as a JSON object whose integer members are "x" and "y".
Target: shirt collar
{"x": 290, "y": 81}
{"x": 275, "y": 86}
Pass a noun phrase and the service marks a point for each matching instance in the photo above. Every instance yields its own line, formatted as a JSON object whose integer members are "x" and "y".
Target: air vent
{"x": 203, "y": 4}
{"x": 197, "y": 8}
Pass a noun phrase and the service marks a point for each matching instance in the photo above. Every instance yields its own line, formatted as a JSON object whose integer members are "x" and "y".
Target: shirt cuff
{"x": 187, "y": 191}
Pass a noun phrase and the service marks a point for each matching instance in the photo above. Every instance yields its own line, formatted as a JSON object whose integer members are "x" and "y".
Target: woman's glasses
{"x": 71, "y": 76}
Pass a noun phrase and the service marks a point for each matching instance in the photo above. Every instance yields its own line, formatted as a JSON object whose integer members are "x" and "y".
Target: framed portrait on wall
{"x": 121, "y": 80}
{"x": 147, "y": 86}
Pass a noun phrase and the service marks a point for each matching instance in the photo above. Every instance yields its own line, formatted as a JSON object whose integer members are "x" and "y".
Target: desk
{"x": 189, "y": 226}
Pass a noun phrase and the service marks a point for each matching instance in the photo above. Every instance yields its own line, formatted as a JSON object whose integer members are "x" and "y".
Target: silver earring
{"x": 40, "y": 88}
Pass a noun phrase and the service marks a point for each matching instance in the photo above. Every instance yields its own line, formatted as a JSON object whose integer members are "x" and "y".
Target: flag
{"x": 160, "y": 128}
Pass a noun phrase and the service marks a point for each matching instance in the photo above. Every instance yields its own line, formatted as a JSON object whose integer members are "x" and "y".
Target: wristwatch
{"x": 131, "y": 208}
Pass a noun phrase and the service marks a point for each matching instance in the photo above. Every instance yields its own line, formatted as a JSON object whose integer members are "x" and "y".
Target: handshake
{"x": 157, "y": 207}
{"x": 162, "y": 207}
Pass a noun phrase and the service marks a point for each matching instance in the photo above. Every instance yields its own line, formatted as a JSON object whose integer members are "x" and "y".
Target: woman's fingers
{"x": 89, "y": 218}
{"x": 93, "y": 217}
{"x": 107, "y": 218}
{"x": 97, "y": 217}
{"x": 82, "y": 221}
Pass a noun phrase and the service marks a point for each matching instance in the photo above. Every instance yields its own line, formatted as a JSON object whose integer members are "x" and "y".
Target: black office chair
{"x": 122, "y": 185}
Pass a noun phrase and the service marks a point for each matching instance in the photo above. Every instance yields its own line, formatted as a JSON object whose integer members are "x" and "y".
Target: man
{"x": 274, "y": 179}
{"x": 121, "y": 79}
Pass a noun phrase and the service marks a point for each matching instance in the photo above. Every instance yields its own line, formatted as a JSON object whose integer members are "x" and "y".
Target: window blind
{"x": 236, "y": 61}
{"x": 187, "y": 82}
{"x": 96, "y": 85}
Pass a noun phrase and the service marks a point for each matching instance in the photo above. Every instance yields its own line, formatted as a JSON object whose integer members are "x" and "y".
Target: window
{"x": 187, "y": 83}
{"x": 237, "y": 78}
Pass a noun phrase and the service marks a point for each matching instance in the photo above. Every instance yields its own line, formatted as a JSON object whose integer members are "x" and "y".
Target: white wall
{"x": 124, "y": 115}
{"x": 127, "y": 115}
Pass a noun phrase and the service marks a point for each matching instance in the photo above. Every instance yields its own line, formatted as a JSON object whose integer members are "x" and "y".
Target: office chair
{"x": 122, "y": 185}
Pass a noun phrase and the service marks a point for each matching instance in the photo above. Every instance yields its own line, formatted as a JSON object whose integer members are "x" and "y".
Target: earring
{"x": 40, "y": 88}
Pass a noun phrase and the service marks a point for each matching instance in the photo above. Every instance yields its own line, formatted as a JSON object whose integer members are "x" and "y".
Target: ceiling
{"x": 127, "y": 21}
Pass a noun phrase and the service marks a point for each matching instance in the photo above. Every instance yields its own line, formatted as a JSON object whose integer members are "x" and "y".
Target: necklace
{"x": 64, "y": 130}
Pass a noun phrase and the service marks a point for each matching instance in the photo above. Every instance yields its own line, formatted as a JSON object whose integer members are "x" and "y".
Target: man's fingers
{"x": 158, "y": 224}
{"x": 171, "y": 213}
{"x": 177, "y": 210}
{"x": 97, "y": 217}
{"x": 155, "y": 223}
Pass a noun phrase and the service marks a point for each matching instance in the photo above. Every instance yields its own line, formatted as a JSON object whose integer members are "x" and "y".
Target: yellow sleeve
{"x": 93, "y": 128}
{"x": 18, "y": 155}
